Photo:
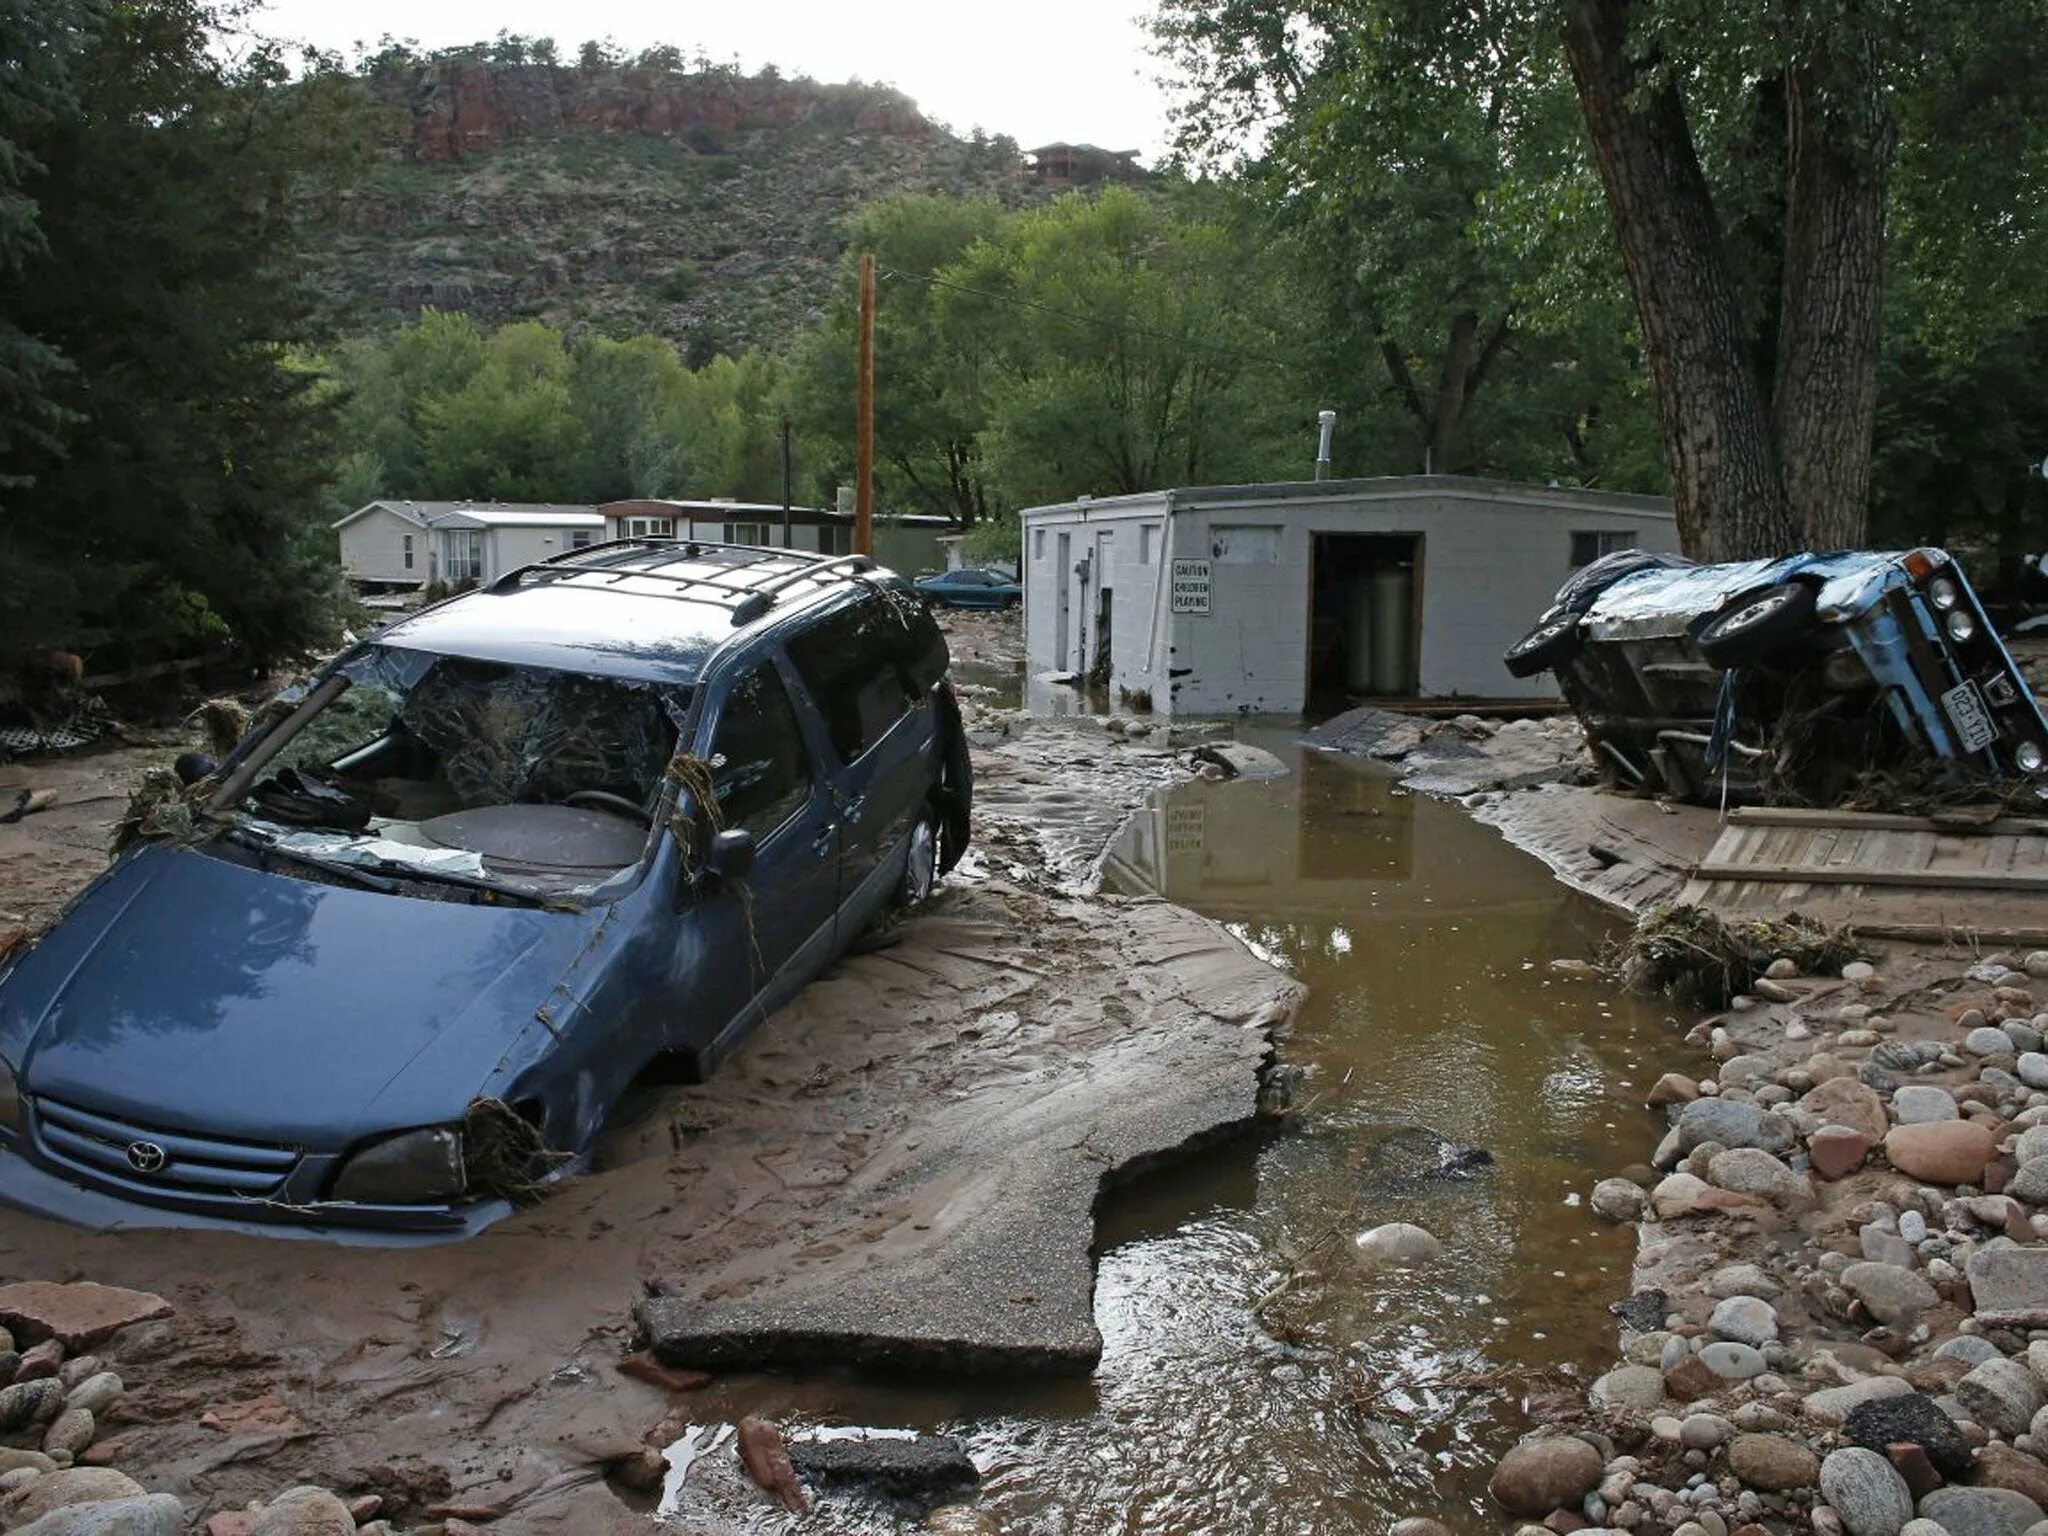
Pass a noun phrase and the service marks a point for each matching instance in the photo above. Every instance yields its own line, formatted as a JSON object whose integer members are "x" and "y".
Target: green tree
{"x": 181, "y": 498}
{"x": 510, "y": 433}
{"x": 932, "y": 376}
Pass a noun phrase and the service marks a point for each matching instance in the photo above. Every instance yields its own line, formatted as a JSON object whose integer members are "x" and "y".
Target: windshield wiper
{"x": 348, "y": 872}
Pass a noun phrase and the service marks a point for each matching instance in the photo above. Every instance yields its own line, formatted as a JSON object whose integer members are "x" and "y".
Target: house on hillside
{"x": 391, "y": 545}
{"x": 1080, "y": 165}
{"x": 1281, "y": 598}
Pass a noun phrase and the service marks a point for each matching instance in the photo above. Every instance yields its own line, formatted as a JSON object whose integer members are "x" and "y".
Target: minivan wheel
{"x": 1550, "y": 644}
{"x": 921, "y": 868}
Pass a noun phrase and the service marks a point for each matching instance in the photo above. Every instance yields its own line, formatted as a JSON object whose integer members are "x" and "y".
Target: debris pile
{"x": 1689, "y": 953}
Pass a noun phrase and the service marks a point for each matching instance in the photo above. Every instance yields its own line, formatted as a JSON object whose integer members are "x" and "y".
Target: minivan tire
{"x": 1757, "y": 625}
{"x": 921, "y": 863}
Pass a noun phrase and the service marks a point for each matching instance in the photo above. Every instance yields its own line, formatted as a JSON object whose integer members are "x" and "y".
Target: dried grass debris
{"x": 1696, "y": 956}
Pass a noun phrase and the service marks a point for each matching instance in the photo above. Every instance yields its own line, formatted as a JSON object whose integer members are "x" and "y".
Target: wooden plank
{"x": 1796, "y": 816}
{"x": 1923, "y": 879}
{"x": 1939, "y": 933}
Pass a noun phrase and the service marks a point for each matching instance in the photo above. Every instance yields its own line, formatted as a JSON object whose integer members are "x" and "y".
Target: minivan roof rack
{"x": 607, "y": 564}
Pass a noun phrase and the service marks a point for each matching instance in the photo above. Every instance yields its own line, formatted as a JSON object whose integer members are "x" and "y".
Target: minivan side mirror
{"x": 731, "y": 855}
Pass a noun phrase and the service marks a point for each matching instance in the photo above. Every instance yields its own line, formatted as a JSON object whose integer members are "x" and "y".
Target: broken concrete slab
{"x": 2010, "y": 1286}
{"x": 77, "y": 1315}
{"x": 946, "y": 1258}
{"x": 921, "y": 1469}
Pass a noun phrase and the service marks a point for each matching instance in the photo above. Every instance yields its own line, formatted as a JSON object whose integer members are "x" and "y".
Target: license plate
{"x": 1966, "y": 712}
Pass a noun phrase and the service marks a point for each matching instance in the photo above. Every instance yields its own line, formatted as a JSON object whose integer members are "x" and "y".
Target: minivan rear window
{"x": 852, "y": 662}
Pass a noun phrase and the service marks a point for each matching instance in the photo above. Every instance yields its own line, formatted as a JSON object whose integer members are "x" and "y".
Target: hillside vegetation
{"x": 689, "y": 202}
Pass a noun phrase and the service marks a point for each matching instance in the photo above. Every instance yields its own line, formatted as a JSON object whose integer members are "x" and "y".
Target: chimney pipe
{"x": 1326, "y": 421}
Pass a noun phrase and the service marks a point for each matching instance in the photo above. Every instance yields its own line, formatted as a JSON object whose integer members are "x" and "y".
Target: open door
{"x": 1365, "y": 617}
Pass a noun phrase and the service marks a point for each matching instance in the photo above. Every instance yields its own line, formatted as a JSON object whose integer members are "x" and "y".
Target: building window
{"x": 650, "y": 527}
{"x": 1590, "y": 544}
{"x": 747, "y": 533}
{"x": 408, "y": 551}
{"x": 580, "y": 538}
{"x": 465, "y": 556}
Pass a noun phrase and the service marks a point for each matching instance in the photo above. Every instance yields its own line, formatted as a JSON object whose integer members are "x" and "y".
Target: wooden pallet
{"x": 1906, "y": 877}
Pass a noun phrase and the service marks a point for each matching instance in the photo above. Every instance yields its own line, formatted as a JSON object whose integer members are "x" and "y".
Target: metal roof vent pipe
{"x": 1326, "y": 423}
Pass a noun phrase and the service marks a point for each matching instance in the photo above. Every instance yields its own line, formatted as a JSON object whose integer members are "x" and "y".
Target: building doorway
{"x": 1365, "y": 617}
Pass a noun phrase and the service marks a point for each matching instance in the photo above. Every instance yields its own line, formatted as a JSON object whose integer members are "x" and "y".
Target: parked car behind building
{"x": 1786, "y": 678}
{"x": 971, "y": 588}
{"x": 433, "y": 920}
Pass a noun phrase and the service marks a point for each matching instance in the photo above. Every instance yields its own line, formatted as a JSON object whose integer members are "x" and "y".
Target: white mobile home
{"x": 400, "y": 544}
{"x": 1256, "y": 599}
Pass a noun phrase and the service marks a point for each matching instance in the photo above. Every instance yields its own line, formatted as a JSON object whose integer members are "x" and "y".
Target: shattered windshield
{"x": 461, "y": 770}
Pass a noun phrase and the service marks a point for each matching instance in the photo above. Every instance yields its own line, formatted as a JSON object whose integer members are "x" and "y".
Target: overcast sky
{"x": 1056, "y": 69}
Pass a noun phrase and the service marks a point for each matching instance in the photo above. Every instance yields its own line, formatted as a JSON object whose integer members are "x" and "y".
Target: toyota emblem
{"x": 146, "y": 1157}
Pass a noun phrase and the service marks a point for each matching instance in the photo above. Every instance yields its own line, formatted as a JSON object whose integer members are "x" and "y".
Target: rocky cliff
{"x": 704, "y": 205}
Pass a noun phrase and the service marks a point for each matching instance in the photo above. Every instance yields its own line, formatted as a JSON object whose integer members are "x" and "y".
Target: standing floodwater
{"x": 1259, "y": 1375}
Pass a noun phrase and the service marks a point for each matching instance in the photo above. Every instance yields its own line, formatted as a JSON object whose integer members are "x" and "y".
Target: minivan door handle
{"x": 823, "y": 844}
{"x": 849, "y": 810}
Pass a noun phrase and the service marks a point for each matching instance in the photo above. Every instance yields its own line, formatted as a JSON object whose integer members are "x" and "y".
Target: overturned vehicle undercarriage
{"x": 1859, "y": 679}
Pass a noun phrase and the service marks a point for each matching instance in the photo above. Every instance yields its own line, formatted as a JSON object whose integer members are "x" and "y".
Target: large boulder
{"x": 154, "y": 1514}
{"x": 1545, "y": 1473}
{"x": 1732, "y": 1123}
{"x": 72, "y": 1485}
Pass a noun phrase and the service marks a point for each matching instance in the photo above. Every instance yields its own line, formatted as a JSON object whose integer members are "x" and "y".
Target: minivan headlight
{"x": 411, "y": 1168}
{"x": 2028, "y": 757}
{"x": 1942, "y": 593}
{"x": 1961, "y": 626}
{"x": 11, "y": 1117}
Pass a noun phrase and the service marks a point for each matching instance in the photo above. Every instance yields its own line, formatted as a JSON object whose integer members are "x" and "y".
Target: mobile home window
{"x": 579, "y": 538}
{"x": 1589, "y": 544}
{"x": 465, "y": 555}
{"x": 408, "y": 551}
{"x": 650, "y": 527}
{"x": 746, "y": 533}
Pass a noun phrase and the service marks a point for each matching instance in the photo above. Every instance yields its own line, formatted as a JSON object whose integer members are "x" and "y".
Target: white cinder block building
{"x": 1259, "y": 599}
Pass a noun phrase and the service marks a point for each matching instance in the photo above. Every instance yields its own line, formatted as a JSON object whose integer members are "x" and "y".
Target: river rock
{"x": 1746, "y": 1320}
{"x": 1836, "y": 1151}
{"x": 1638, "y": 1387}
{"x": 2002, "y": 1466}
{"x": 1987, "y": 1040}
{"x": 1773, "y": 1463}
{"x": 1683, "y": 1194}
{"x": 1418, "y": 1525}
{"x": 1742, "y": 1280}
{"x": 1733, "y": 1362}
{"x": 1619, "y": 1200}
{"x": 1545, "y": 1473}
{"x": 1940, "y": 1151}
{"x": 1891, "y": 1294}
{"x": 304, "y": 1511}
{"x": 68, "y": 1485}
{"x": 2010, "y": 1286}
{"x": 153, "y": 1514}
{"x": 2033, "y": 1069}
{"x": 1981, "y": 1511}
{"x": 1863, "y": 1489}
{"x": 1399, "y": 1243}
{"x": 2031, "y": 1182}
{"x": 70, "y": 1433}
{"x": 1923, "y": 1103}
{"x": 1909, "y": 1419}
{"x": 96, "y": 1393}
{"x": 2001, "y": 1395}
{"x": 1845, "y": 1101}
{"x": 1732, "y": 1124}
{"x": 30, "y": 1402}
{"x": 1831, "y": 1405}
{"x": 1672, "y": 1088}
{"x": 1753, "y": 1171}
{"x": 1970, "y": 1348}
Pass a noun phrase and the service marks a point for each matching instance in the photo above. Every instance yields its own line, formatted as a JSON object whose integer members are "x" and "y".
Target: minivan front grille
{"x": 144, "y": 1157}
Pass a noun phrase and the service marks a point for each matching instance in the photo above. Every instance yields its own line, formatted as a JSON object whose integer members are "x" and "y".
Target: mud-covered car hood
{"x": 1663, "y": 602}
{"x": 190, "y": 993}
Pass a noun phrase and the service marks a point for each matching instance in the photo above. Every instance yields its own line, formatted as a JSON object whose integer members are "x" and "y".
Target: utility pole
{"x": 785, "y": 482}
{"x": 864, "y": 417}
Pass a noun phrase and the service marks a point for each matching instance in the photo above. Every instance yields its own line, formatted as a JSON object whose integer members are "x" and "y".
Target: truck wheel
{"x": 1757, "y": 625}
{"x": 1549, "y": 645}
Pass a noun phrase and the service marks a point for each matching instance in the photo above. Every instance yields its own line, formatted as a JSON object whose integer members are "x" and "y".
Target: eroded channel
{"x": 1259, "y": 1375}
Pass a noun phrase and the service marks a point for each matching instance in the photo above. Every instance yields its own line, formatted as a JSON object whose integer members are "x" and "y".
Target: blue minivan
{"x": 433, "y": 915}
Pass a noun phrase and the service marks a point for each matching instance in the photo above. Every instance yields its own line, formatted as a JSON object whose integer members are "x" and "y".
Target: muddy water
{"x": 1258, "y": 1376}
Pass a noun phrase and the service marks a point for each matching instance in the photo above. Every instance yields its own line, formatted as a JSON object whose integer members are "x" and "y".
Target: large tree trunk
{"x": 1711, "y": 411}
{"x": 1824, "y": 401}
